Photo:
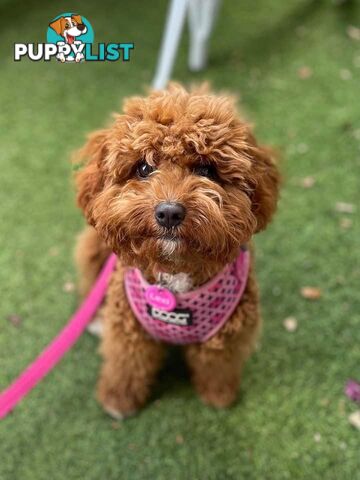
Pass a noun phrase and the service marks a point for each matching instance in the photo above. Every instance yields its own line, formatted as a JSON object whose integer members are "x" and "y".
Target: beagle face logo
{"x": 70, "y": 39}
{"x": 70, "y": 32}
{"x": 69, "y": 27}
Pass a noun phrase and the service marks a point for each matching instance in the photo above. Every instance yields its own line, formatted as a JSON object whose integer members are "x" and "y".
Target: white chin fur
{"x": 180, "y": 282}
{"x": 168, "y": 247}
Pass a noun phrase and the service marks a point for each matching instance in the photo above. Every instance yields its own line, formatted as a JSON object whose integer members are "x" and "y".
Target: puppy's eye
{"x": 67, "y": 25}
{"x": 208, "y": 171}
{"x": 144, "y": 169}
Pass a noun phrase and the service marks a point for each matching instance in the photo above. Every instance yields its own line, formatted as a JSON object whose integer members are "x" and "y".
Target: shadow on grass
{"x": 257, "y": 49}
{"x": 173, "y": 377}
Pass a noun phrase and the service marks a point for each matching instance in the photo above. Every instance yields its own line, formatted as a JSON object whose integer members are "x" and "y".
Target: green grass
{"x": 293, "y": 386}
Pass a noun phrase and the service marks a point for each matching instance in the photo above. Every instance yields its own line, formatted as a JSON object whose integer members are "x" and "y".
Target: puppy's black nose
{"x": 81, "y": 27}
{"x": 169, "y": 214}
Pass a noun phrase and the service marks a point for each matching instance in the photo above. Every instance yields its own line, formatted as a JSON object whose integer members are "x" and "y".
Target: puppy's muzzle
{"x": 169, "y": 214}
{"x": 81, "y": 27}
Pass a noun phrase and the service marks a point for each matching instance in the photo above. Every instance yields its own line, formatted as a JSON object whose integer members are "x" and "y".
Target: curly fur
{"x": 174, "y": 131}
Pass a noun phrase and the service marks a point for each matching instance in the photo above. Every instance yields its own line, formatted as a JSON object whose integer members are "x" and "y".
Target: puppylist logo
{"x": 70, "y": 39}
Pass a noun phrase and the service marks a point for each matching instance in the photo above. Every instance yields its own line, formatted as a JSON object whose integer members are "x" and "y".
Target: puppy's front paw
{"x": 219, "y": 398}
{"x": 117, "y": 414}
{"x": 118, "y": 406}
{"x": 115, "y": 407}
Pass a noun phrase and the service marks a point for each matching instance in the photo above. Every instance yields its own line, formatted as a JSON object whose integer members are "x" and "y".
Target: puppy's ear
{"x": 56, "y": 26}
{"x": 90, "y": 179}
{"x": 265, "y": 184}
{"x": 77, "y": 18}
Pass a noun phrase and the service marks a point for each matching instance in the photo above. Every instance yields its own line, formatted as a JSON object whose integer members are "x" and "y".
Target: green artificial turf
{"x": 291, "y": 420}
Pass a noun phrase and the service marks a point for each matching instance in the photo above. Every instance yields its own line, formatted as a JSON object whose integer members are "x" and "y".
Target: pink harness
{"x": 191, "y": 317}
{"x": 184, "y": 318}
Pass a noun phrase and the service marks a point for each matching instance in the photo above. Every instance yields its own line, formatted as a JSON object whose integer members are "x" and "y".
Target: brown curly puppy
{"x": 192, "y": 152}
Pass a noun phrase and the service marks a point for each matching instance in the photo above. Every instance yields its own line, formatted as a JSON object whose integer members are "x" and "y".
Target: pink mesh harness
{"x": 191, "y": 317}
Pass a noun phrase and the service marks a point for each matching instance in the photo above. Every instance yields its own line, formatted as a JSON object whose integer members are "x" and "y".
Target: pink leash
{"x": 53, "y": 353}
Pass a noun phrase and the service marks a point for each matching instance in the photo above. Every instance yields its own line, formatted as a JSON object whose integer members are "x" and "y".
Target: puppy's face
{"x": 177, "y": 181}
